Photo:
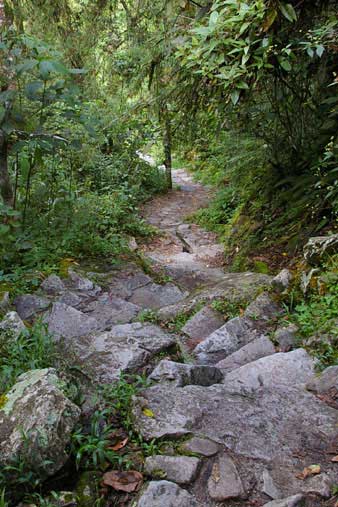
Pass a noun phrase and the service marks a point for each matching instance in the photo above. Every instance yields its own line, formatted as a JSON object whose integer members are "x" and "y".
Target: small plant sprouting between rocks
{"x": 111, "y": 437}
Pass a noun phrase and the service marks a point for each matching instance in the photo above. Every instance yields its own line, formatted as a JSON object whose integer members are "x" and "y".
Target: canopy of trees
{"x": 246, "y": 91}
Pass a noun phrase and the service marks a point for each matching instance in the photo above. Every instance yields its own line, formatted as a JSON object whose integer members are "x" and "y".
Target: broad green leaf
{"x": 45, "y": 68}
{"x": 288, "y": 12}
{"x": 32, "y": 90}
{"x": 26, "y": 65}
{"x": 213, "y": 18}
{"x": 310, "y": 52}
{"x": 285, "y": 64}
{"x": 320, "y": 50}
{"x": 234, "y": 97}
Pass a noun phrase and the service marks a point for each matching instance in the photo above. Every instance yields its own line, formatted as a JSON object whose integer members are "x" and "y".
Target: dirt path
{"x": 183, "y": 248}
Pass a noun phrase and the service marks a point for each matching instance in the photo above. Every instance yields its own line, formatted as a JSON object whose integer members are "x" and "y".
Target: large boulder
{"x": 261, "y": 347}
{"x": 155, "y": 296}
{"x": 266, "y": 427}
{"x": 125, "y": 348}
{"x": 291, "y": 368}
{"x": 319, "y": 248}
{"x": 181, "y": 374}
{"x": 166, "y": 494}
{"x": 29, "y": 305}
{"x": 36, "y": 421}
{"x": 66, "y": 322}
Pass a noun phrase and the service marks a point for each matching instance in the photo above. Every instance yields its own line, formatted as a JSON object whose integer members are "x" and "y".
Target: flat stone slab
{"x": 29, "y": 305}
{"x": 179, "y": 469}
{"x": 203, "y": 323}
{"x": 155, "y": 296}
{"x": 261, "y": 347}
{"x": 269, "y": 425}
{"x": 66, "y": 322}
{"x": 290, "y": 368}
{"x": 181, "y": 374}
{"x": 224, "y": 482}
{"x": 111, "y": 310}
{"x": 166, "y": 494}
{"x": 125, "y": 348}
{"x": 202, "y": 446}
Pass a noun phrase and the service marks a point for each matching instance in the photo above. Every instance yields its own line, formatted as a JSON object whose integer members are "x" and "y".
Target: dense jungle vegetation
{"x": 243, "y": 92}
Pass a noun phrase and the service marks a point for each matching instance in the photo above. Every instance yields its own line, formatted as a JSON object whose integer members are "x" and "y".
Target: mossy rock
{"x": 87, "y": 489}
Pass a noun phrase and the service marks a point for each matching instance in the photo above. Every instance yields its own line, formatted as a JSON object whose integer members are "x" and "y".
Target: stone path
{"x": 245, "y": 412}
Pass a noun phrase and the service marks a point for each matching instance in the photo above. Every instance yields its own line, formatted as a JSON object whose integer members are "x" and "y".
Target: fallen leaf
{"x": 308, "y": 471}
{"x": 123, "y": 481}
{"x": 119, "y": 445}
{"x": 148, "y": 412}
{"x": 335, "y": 459}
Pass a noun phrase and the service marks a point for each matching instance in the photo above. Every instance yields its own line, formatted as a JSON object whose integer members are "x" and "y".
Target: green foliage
{"x": 33, "y": 349}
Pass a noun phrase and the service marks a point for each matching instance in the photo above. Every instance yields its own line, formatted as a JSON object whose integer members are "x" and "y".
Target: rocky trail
{"x": 245, "y": 417}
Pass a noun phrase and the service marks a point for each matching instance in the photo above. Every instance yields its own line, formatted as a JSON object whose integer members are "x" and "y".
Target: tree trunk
{"x": 6, "y": 190}
{"x": 167, "y": 145}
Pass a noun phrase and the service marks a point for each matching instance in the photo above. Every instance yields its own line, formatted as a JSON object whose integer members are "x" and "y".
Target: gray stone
{"x": 267, "y": 426}
{"x": 70, "y": 299}
{"x": 155, "y": 296}
{"x": 66, "y": 322}
{"x": 4, "y": 302}
{"x": 324, "y": 382}
{"x": 269, "y": 487}
{"x": 319, "y": 247}
{"x": 181, "y": 374}
{"x": 132, "y": 244}
{"x": 53, "y": 285}
{"x": 36, "y": 422}
{"x": 224, "y": 482}
{"x": 166, "y": 494}
{"x": 79, "y": 282}
{"x": 12, "y": 322}
{"x": 261, "y": 347}
{"x": 291, "y": 501}
{"x": 109, "y": 310}
{"x": 28, "y": 305}
{"x": 282, "y": 281}
{"x": 291, "y": 368}
{"x": 203, "y": 323}
{"x": 202, "y": 446}
{"x": 286, "y": 337}
{"x": 125, "y": 348}
{"x": 224, "y": 341}
{"x": 263, "y": 308}
{"x": 179, "y": 469}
